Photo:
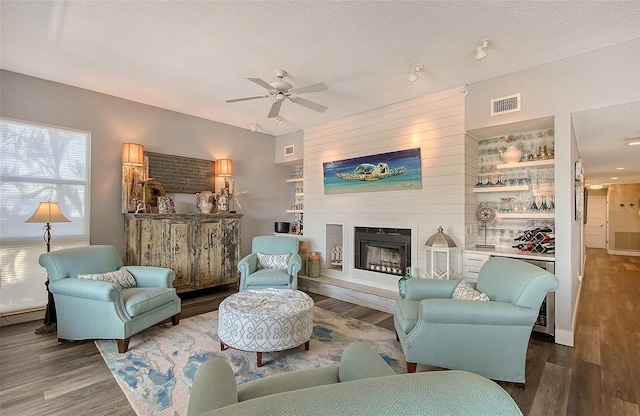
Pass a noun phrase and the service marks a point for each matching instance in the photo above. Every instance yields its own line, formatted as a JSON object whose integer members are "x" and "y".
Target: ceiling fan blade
{"x": 309, "y": 104}
{"x": 275, "y": 109}
{"x": 262, "y": 83}
{"x": 309, "y": 88}
{"x": 247, "y": 98}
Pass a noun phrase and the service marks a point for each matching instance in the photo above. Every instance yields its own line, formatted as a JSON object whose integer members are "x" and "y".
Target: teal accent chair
{"x": 95, "y": 309}
{"x": 253, "y": 278}
{"x": 489, "y": 338}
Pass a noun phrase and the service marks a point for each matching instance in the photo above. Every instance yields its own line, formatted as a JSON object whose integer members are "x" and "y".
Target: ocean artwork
{"x": 390, "y": 171}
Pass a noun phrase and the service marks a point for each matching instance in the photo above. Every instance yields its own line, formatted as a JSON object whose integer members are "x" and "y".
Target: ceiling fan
{"x": 282, "y": 90}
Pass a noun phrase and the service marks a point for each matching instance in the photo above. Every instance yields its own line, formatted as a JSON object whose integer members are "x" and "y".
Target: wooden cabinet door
{"x": 177, "y": 252}
{"x": 217, "y": 261}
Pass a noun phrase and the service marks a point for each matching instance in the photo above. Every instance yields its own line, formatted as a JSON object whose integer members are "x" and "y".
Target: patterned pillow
{"x": 121, "y": 277}
{"x": 465, "y": 292}
{"x": 273, "y": 261}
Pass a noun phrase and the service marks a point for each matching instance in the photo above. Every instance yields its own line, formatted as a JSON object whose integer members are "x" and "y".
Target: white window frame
{"x": 22, "y": 279}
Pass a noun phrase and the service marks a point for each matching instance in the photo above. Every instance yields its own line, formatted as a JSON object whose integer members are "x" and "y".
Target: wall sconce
{"x": 480, "y": 52}
{"x": 414, "y": 76}
{"x": 441, "y": 256}
{"x": 133, "y": 176}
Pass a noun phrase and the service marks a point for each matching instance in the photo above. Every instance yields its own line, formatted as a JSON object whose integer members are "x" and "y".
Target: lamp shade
{"x": 223, "y": 167}
{"x": 47, "y": 212}
{"x": 132, "y": 154}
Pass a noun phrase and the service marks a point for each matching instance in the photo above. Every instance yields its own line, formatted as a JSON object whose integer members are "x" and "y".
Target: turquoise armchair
{"x": 285, "y": 277}
{"x": 96, "y": 309}
{"x": 487, "y": 338}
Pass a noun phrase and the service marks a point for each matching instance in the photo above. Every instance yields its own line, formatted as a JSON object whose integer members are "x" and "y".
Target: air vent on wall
{"x": 504, "y": 105}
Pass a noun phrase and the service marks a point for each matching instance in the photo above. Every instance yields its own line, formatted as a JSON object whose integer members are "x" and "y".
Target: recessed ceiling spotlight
{"x": 595, "y": 186}
{"x": 464, "y": 91}
{"x": 480, "y": 52}
{"x": 633, "y": 141}
{"x": 614, "y": 177}
{"x": 619, "y": 168}
{"x": 413, "y": 73}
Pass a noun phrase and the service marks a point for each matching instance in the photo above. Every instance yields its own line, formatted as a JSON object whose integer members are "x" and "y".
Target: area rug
{"x": 157, "y": 372}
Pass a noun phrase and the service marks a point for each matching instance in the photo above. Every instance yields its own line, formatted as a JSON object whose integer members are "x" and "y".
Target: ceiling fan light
{"x": 278, "y": 120}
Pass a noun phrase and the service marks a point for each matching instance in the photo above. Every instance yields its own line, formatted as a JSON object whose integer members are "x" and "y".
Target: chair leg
{"x": 175, "y": 319}
{"x": 123, "y": 345}
{"x": 397, "y": 336}
{"x": 411, "y": 367}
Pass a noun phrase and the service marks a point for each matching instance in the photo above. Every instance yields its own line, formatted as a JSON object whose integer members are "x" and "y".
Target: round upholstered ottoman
{"x": 265, "y": 320}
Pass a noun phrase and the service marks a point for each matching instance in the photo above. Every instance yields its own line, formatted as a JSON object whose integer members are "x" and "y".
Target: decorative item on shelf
{"x": 223, "y": 201}
{"x": 48, "y": 213}
{"x": 511, "y": 154}
{"x": 205, "y": 201}
{"x": 537, "y": 240}
{"x": 336, "y": 256}
{"x": 402, "y": 283}
{"x": 141, "y": 206}
{"x": 166, "y": 205}
{"x": 151, "y": 190}
{"x": 506, "y": 204}
{"x": 441, "y": 256}
{"x": 485, "y": 214}
{"x": 313, "y": 264}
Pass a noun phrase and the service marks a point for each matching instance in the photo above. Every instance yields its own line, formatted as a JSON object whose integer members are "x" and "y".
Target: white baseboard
{"x": 624, "y": 253}
{"x": 22, "y": 317}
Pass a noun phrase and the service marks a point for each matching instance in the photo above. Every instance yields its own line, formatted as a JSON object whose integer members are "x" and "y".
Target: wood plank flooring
{"x": 599, "y": 376}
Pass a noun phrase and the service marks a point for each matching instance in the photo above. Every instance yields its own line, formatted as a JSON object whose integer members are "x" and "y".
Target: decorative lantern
{"x": 442, "y": 258}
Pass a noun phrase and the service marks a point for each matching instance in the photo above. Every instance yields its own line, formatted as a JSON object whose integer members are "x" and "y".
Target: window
{"x": 39, "y": 163}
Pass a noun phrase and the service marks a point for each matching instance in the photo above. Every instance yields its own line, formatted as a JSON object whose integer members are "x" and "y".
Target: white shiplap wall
{"x": 435, "y": 124}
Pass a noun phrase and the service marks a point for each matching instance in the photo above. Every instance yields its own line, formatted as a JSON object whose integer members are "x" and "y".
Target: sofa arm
{"x": 360, "y": 361}
{"x": 248, "y": 265}
{"x": 294, "y": 264}
{"x": 418, "y": 289}
{"x": 470, "y": 312}
{"x": 150, "y": 276}
{"x": 87, "y": 289}
{"x": 214, "y": 386}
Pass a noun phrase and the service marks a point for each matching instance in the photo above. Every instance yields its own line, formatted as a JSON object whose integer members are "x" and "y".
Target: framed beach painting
{"x": 392, "y": 171}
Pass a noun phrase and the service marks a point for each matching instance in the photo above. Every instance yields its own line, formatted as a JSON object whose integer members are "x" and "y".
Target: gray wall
{"x": 596, "y": 79}
{"x": 113, "y": 121}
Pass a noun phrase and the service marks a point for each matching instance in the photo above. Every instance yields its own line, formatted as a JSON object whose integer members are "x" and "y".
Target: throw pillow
{"x": 464, "y": 291}
{"x": 121, "y": 277}
{"x": 273, "y": 261}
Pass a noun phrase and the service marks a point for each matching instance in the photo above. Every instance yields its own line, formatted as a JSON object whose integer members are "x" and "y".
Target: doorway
{"x": 595, "y": 230}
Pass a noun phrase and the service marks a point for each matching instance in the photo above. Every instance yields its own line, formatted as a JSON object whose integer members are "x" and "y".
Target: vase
{"x": 313, "y": 264}
{"x": 205, "y": 201}
{"x": 166, "y": 205}
{"x": 511, "y": 155}
{"x": 402, "y": 283}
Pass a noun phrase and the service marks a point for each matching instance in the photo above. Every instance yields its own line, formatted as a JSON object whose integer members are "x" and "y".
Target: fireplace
{"x": 382, "y": 250}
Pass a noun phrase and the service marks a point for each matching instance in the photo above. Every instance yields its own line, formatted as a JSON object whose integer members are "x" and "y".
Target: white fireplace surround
{"x": 367, "y": 277}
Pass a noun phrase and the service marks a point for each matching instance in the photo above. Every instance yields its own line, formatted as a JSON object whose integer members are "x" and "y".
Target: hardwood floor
{"x": 599, "y": 376}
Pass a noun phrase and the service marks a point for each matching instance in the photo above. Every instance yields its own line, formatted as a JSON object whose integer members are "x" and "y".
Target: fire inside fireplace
{"x": 383, "y": 250}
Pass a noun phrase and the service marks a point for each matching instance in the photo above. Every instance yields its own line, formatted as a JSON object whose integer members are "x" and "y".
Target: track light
{"x": 480, "y": 52}
{"x": 278, "y": 120}
{"x": 413, "y": 73}
{"x": 254, "y": 127}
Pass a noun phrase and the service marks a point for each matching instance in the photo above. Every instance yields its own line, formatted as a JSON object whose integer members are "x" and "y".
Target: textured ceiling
{"x": 191, "y": 56}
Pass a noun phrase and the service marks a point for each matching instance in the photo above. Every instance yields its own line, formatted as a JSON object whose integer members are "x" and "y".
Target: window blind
{"x": 39, "y": 163}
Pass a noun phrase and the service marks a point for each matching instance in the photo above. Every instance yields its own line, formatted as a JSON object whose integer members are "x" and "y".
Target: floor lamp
{"x": 47, "y": 213}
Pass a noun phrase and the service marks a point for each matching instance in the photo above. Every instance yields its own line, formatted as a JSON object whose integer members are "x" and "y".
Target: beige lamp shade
{"x": 132, "y": 154}
{"x": 47, "y": 212}
{"x": 223, "y": 167}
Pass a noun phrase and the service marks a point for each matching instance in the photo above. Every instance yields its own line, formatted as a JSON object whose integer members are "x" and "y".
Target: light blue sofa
{"x": 363, "y": 384}
{"x": 486, "y": 337}
{"x": 95, "y": 309}
{"x": 253, "y": 278}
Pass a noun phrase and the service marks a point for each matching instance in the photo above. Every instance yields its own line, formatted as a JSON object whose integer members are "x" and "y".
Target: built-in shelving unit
{"x": 297, "y": 207}
{"x": 502, "y": 189}
{"x": 522, "y": 165}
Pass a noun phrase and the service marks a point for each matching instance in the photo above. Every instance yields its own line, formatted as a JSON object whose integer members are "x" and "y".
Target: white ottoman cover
{"x": 266, "y": 320}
